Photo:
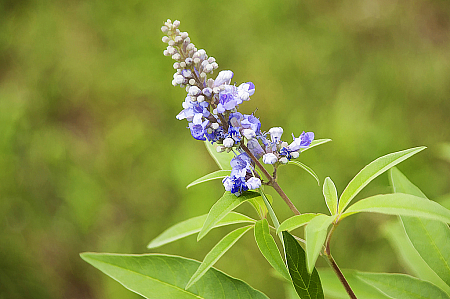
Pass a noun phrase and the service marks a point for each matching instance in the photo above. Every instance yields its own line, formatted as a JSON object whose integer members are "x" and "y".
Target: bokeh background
{"x": 93, "y": 159}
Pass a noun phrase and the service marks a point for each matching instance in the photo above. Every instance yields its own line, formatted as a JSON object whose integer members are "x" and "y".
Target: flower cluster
{"x": 211, "y": 109}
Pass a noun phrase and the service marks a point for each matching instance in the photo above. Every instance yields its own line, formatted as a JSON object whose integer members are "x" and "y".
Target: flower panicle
{"x": 211, "y": 109}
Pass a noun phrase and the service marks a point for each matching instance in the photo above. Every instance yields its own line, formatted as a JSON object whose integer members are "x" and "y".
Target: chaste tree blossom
{"x": 211, "y": 109}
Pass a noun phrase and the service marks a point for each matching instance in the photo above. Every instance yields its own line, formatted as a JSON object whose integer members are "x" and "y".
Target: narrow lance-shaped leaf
{"x": 222, "y": 159}
{"x": 402, "y": 286}
{"x": 330, "y": 194}
{"x": 219, "y": 174}
{"x": 307, "y": 169}
{"x": 193, "y": 226}
{"x": 306, "y": 285}
{"x": 333, "y": 287}
{"x": 400, "y": 204}
{"x": 371, "y": 171}
{"x": 222, "y": 207}
{"x": 259, "y": 205}
{"x": 158, "y": 276}
{"x": 269, "y": 248}
{"x": 296, "y": 222}
{"x": 316, "y": 233}
{"x": 430, "y": 238}
{"x": 216, "y": 253}
{"x": 409, "y": 258}
{"x": 314, "y": 143}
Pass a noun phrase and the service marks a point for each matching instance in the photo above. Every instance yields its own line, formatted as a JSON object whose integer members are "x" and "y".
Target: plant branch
{"x": 335, "y": 267}
{"x": 272, "y": 182}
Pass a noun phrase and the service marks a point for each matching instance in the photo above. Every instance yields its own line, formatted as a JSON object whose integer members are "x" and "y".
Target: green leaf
{"x": 330, "y": 194}
{"x": 402, "y": 286}
{"x": 216, "y": 253}
{"x": 158, "y": 276}
{"x": 430, "y": 238}
{"x": 296, "y": 222}
{"x": 259, "y": 205}
{"x": 219, "y": 174}
{"x": 222, "y": 207}
{"x": 194, "y": 225}
{"x": 371, "y": 171}
{"x": 269, "y": 248}
{"x": 409, "y": 258}
{"x": 307, "y": 285}
{"x": 400, "y": 204}
{"x": 222, "y": 159}
{"x": 315, "y": 143}
{"x": 307, "y": 169}
{"x": 316, "y": 233}
{"x": 332, "y": 287}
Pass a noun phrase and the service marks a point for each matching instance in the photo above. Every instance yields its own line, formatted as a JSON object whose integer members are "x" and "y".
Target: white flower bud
{"x": 171, "y": 50}
{"x": 176, "y": 65}
{"x": 164, "y": 29}
{"x": 220, "y": 148}
{"x": 194, "y": 90}
{"x": 196, "y": 60}
{"x": 214, "y": 65}
{"x": 188, "y": 60}
{"x": 192, "y": 81}
{"x": 202, "y": 75}
{"x": 208, "y": 68}
{"x": 166, "y": 53}
{"x": 178, "y": 39}
{"x": 184, "y": 35}
{"x": 284, "y": 160}
{"x": 165, "y": 39}
{"x": 174, "y": 83}
{"x": 275, "y": 134}
{"x": 215, "y": 111}
{"x": 183, "y": 64}
{"x": 176, "y": 23}
{"x": 228, "y": 142}
{"x": 216, "y": 89}
{"x": 249, "y": 133}
{"x": 205, "y": 63}
{"x": 211, "y": 59}
{"x": 187, "y": 88}
{"x": 215, "y": 126}
{"x": 187, "y": 40}
{"x": 200, "y": 98}
{"x": 270, "y": 158}
{"x": 284, "y": 144}
{"x": 179, "y": 79}
{"x": 253, "y": 183}
{"x": 171, "y": 43}
{"x": 295, "y": 155}
{"x": 176, "y": 56}
{"x": 190, "y": 47}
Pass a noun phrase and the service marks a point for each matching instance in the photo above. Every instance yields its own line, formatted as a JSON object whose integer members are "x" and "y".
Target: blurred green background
{"x": 93, "y": 159}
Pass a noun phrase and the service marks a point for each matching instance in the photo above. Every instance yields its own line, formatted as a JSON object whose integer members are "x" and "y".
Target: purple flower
{"x": 303, "y": 141}
{"x": 192, "y": 108}
{"x": 255, "y": 148}
{"x": 197, "y": 127}
{"x": 227, "y": 99}
{"x": 245, "y": 90}
{"x": 251, "y": 122}
{"x": 253, "y": 183}
{"x": 236, "y": 185}
{"x": 240, "y": 165}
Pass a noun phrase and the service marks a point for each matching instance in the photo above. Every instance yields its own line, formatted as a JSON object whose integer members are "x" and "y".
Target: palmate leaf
{"x": 269, "y": 248}
{"x": 219, "y": 174}
{"x": 307, "y": 285}
{"x": 316, "y": 233}
{"x": 222, "y": 207}
{"x": 333, "y": 288}
{"x": 408, "y": 255}
{"x": 157, "y": 276}
{"x": 430, "y": 238}
{"x": 307, "y": 169}
{"x": 216, "y": 253}
{"x": 371, "y": 171}
{"x": 400, "y": 204}
{"x": 222, "y": 159}
{"x": 402, "y": 286}
{"x": 193, "y": 226}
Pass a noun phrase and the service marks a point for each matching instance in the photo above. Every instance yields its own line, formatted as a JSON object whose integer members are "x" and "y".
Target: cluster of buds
{"x": 211, "y": 109}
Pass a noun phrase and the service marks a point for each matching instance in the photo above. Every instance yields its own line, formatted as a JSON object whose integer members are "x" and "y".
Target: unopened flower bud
{"x": 166, "y": 53}
{"x": 284, "y": 160}
{"x": 228, "y": 142}
{"x": 182, "y": 64}
{"x": 176, "y": 65}
{"x": 270, "y": 158}
{"x": 176, "y": 23}
{"x": 164, "y": 29}
{"x": 214, "y": 65}
{"x": 275, "y": 134}
{"x": 211, "y": 59}
{"x": 176, "y": 56}
{"x": 207, "y": 92}
{"x": 165, "y": 39}
{"x": 295, "y": 155}
{"x": 200, "y": 98}
{"x": 208, "y": 68}
{"x": 184, "y": 35}
{"x": 192, "y": 81}
{"x": 253, "y": 183}
{"x": 194, "y": 90}
{"x": 215, "y": 126}
{"x": 178, "y": 39}
{"x": 171, "y": 43}
{"x": 249, "y": 133}
{"x": 188, "y": 60}
{"x": 196, "y": 60}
